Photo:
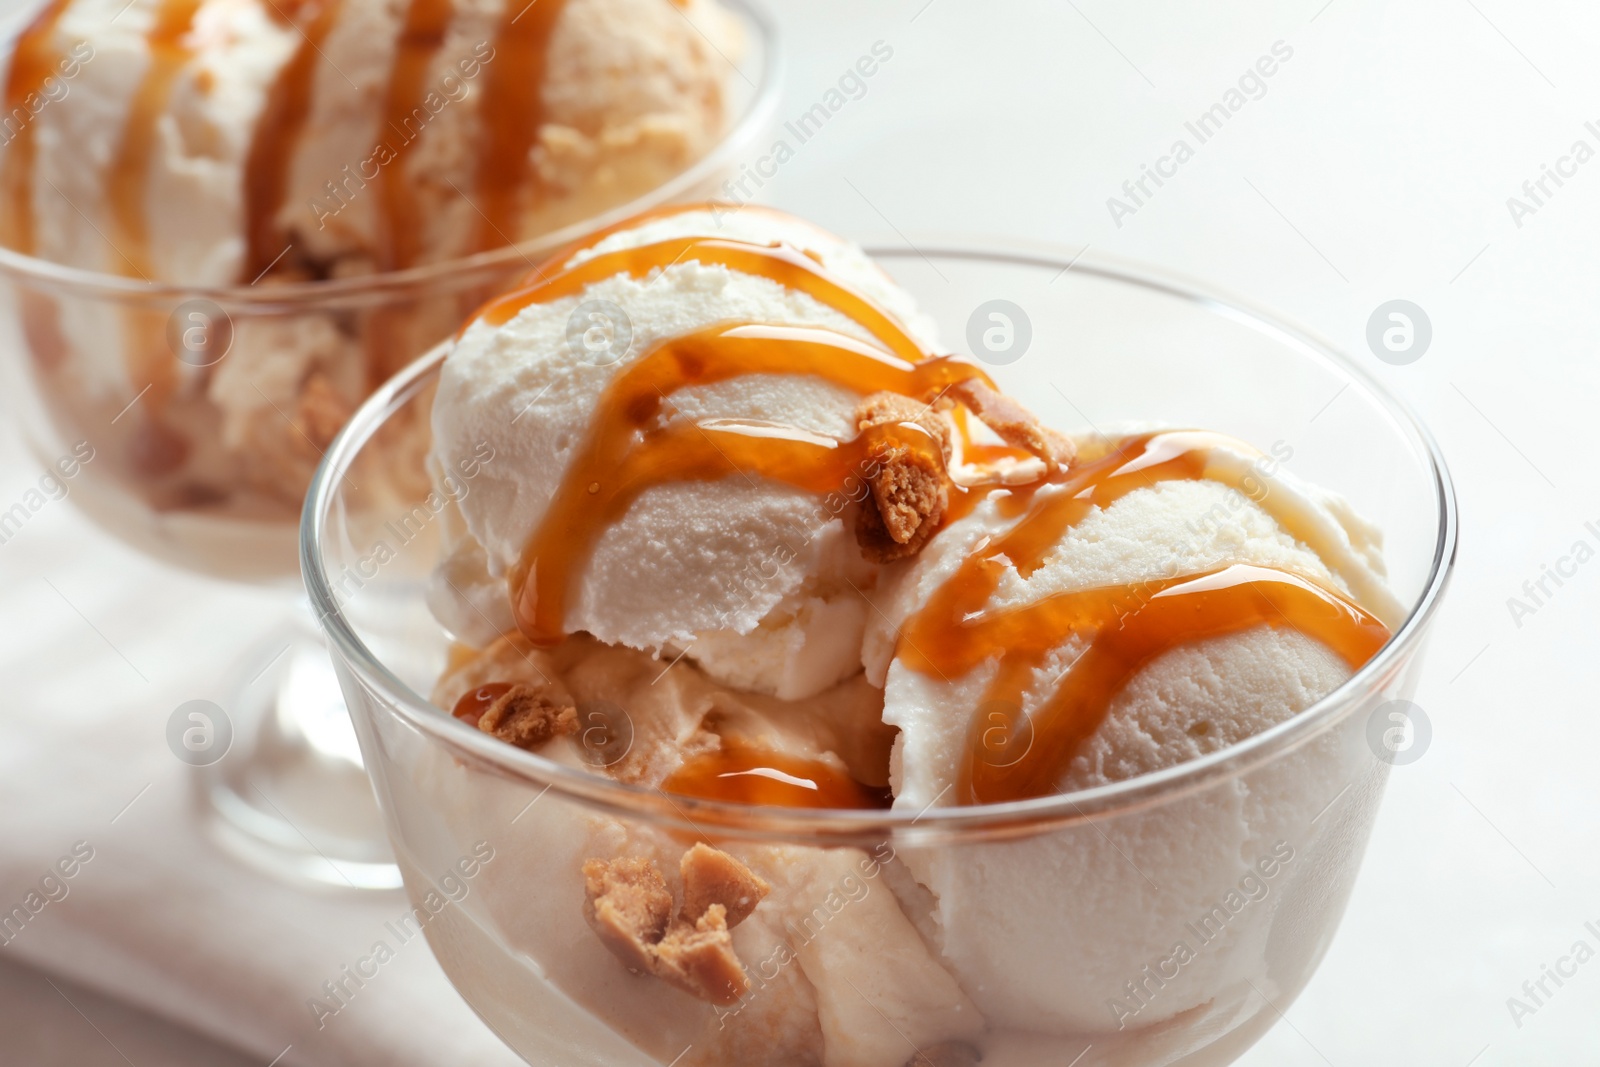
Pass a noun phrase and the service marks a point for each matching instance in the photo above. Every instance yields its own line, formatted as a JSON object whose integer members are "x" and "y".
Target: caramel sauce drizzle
{"x": 1129, "y": 632}
{"x": 932, "y": 644}
{"x": 987, "y": 454}
{"x": 781, "y": 263}
{"x": 629, "y": 449}
{"x": 1011, "y": 756}
{"x": 421, "y": 38}
{"x": 474, "y": 702}
{"x": 289, "y": 13}
{"x": 513, "y": 112}
{"x": 741, "y": 773}
{"x": 278, "y": 130}
{"x": 130, "y": 170}
{"x": 33, "y": 64}
{"x": 552, "y": 263}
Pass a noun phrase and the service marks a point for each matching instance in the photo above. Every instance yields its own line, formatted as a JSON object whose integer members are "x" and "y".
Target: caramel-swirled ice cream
{"x": 260, "y": 144}
{"x": 752, "y": 529}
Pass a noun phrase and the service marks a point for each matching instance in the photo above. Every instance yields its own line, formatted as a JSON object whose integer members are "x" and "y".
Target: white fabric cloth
{"x": 97, "y": 647}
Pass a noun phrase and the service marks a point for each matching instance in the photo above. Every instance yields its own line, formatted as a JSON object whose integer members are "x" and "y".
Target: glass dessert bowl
{"x": 198, "y": 297}
{"x": 616, "y": 888}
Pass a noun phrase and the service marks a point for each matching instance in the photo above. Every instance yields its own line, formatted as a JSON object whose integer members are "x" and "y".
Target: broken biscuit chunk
{"x": 713, "y": 878}
{"x": 700, "y": 959}
{"x": 528, "y": 717}
{"x": 1015, "y": 424}
{"x": 910, "y": 485}
{"x": 628, "y": 905}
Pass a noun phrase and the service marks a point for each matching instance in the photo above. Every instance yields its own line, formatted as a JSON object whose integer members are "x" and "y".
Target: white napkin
{"x": 97, "y": 647}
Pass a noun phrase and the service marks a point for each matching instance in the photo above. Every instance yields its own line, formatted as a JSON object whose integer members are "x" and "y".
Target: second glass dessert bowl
{"x": 1164, "y": 919}
{"x": 251, "y": 383}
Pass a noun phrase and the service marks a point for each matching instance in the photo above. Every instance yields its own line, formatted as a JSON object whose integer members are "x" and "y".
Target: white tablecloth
{"x": 100, "y": 647}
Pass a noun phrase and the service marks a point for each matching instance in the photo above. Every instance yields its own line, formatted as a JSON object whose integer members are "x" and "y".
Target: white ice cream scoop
{"x": 759, "y": 581}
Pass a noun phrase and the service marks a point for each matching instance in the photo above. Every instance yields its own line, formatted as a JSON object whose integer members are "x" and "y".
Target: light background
{"x": 1377, "y": 166}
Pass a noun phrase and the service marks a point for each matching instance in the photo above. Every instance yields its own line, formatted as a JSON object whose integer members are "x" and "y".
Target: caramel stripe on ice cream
{"x": 512, "y": 113}
{"x": 631, "y": 446}
{"x": 780, "y": 263}
{"x": 421, "y": 38}
{"x": 625, "y": 452}
{"x": 278, "y": 132}
{"x": 33, "y": 64}
{"x": 1127, "y": 626}
{"x": 130, "y": 170}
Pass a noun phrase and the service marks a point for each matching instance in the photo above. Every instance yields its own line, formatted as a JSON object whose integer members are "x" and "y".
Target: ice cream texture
{"x": 766, "y": 483}
{"x": 758, "y": 579}
{"x": 256, "y": 144}
{"x": 207, "y": 142}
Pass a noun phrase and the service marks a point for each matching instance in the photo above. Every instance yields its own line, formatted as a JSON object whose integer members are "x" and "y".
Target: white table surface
{"x": 1376, "y": 166}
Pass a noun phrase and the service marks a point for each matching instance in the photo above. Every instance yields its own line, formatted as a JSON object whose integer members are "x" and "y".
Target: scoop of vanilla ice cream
{"x": 193, "y": 197}
{"x": 255, "y": 142}
{"x": 755, "y": 580}
{"x": 1044, "y": 934}
{"x": 633, "y": 93}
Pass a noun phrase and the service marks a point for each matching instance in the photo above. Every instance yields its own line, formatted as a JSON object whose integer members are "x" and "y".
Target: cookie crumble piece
{"x": 910, "y": 485}
{"x": 1015, "y": 424}
{"x": 526, "y": 717}
{"x": 628, "y": 905}
{"x": 712, "y": 878}
{"x": 700, "y": 959}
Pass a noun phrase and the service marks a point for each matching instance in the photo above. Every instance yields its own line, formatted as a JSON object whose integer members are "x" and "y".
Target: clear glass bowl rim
{"x": 947, "y": 825}
{"x": 451, "y": 275}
